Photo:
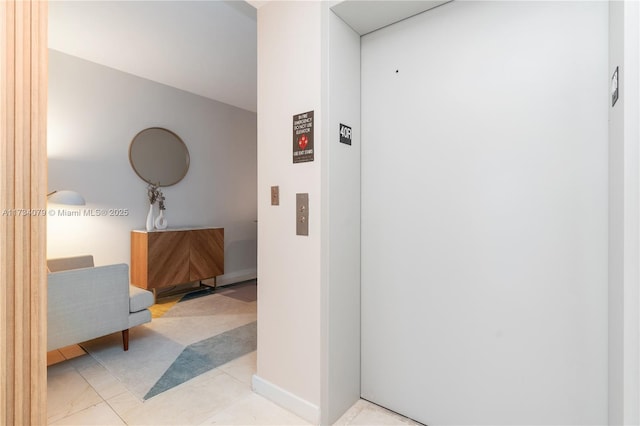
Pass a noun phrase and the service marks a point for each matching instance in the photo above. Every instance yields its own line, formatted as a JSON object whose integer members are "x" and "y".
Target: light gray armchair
{"x": 85, "y": 302}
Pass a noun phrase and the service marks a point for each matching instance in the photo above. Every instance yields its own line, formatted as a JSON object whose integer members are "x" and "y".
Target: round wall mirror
{"x": 159, "y": 156}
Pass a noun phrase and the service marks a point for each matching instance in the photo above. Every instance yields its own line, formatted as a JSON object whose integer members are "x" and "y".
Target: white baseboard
{"x": 235, "y": 277}
{"x": 286, "y": 399}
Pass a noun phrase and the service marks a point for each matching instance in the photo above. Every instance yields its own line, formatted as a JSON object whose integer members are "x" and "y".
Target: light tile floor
{"x": 83, "y": 392}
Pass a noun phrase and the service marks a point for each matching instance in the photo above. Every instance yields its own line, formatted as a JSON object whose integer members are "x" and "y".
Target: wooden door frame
{"x": 23, "y": 182}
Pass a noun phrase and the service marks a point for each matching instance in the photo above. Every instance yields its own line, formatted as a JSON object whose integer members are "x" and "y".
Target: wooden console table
{"x": 176, "y": 256}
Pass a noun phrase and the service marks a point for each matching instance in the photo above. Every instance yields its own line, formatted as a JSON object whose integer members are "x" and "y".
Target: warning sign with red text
{"x": 303, "y": 137}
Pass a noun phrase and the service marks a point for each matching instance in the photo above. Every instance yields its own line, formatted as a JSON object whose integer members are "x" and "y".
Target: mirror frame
{"x": 186, "y": 149}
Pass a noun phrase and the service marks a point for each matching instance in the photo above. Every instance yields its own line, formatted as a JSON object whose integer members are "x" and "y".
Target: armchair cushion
{"x": 139, "y": 299}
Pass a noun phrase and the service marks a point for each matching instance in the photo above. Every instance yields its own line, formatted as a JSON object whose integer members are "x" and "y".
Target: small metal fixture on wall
{"x": 614, "y": 87}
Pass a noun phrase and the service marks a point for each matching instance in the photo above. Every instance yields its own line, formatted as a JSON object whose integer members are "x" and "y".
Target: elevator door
{"x": 484, "y": 214}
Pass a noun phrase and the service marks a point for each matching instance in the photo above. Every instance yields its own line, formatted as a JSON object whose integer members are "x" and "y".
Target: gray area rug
{"x": 196, "y": 335}
{"x": 206, "y": 355}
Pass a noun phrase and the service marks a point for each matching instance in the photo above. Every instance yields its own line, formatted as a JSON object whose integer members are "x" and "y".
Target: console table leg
{"x": 215, "y": 283}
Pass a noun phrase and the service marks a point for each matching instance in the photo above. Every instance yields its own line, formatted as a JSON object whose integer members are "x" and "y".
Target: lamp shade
{"x": 67, "y": 197}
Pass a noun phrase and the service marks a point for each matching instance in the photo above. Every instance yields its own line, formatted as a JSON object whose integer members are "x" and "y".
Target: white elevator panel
{"x": 484, "y": 214}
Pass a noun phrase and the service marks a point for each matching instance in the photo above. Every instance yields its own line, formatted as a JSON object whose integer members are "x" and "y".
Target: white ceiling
{"x": 365, "y": 16}
{"x": 204, "y": 47}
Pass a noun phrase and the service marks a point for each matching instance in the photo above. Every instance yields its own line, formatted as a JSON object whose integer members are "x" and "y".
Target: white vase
{"x": 161, "y": 221}
{"x": 150, "y": 218}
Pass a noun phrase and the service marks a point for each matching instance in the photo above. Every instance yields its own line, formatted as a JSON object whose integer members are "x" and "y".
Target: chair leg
{"x": 125, "y": 339}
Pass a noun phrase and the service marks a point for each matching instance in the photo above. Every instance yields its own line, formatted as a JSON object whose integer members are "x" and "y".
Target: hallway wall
{"x": 93, "y": 114}
{"x": 289, "y": 294}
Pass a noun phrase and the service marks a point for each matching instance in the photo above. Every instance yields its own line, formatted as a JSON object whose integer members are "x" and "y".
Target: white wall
{"x": 95, "y": 111}
{"x": 624, "y": 220}
{"x": 484, "y": 214}
{"x": 289, "y": 82}
{"x": 309, "y": 292}
{"x": 341, "y": 224}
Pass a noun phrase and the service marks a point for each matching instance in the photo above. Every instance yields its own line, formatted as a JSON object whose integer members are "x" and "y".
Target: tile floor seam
{"x": 85, "y": 370}
{"x": 72, "y": 412}
{"x": 115, "y": 411}
{"x": 233, "y": 377}
{"x": 77, "y": 412}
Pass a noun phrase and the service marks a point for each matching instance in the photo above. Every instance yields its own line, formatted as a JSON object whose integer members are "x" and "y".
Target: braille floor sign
{"x": 303, "y": 137}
